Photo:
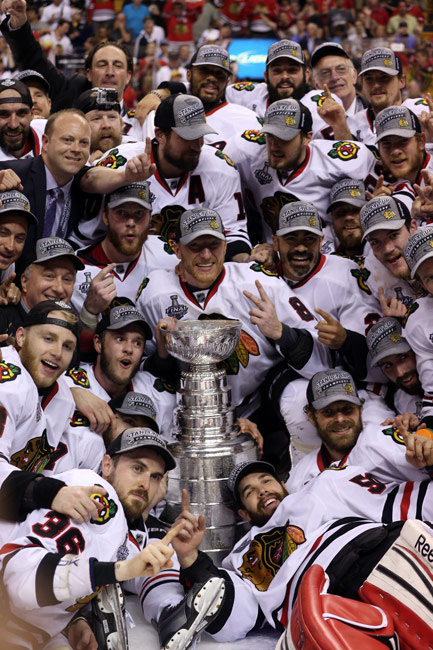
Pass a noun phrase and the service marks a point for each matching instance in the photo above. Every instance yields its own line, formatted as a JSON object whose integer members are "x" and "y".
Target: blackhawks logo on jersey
{"x": 223, "y": 156}
{"x": 421, "y": 102}
{"x": 161, "y": 385}
{"x": 240, "y": 357}
{"x": 395, "y": 434}
{"x": 142, "y": 286}
{"x": 8, "y": 372}
{"x": 109, "y": 509}
{"x": 79, "y": 377}
{"x": 114, "y": 160}
{"x": 244, "y": 85}
{"x": 411, "y": 309}
{"x": 362, "y": 276}
{"x": 168, "y": 245}
{"x": 319, "y": 99}
{"x": 271, "y": 206}
{"x": 164, "y": 223}
{"x": 268, "y": 552}
{"x": 344, "y": 150}
{"x": 34, "y": 456}
{"x": 79, "y": 420}
{"x": 254, "y": 136}
{"x": 259, "y": 268}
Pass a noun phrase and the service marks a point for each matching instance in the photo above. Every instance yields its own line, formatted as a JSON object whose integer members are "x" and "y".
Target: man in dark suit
{"x": 51, "y": 181}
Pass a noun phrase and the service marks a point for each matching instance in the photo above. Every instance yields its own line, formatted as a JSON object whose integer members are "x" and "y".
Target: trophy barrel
{"x": 203, "y": 472}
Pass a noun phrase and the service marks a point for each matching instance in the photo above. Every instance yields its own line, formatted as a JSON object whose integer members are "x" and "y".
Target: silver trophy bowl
{"x": 202, "y": 342}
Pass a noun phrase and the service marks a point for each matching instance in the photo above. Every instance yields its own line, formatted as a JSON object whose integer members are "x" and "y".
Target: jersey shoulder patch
{"x": 8, "y": 372}
{"x": 109, "y": 509}
{"x": 161, "y": 385}
{"x": 412, "y": 309}
{"x": 344, "y": 150}
{"x": 394, "y": 434}
{"x": 361, "y": 275}
{"x": 224, "y": 156}
{"x": 254, "y": 136}
{"x": 113, "y": 160}
{"x": 79, "y": 420}
{"x": 79, "y": 377}
{"x": 168, "y": 245}
{"x": 142, "y": 286}
{"x": 244, "y": 85}
{"x": 259, "y": 268}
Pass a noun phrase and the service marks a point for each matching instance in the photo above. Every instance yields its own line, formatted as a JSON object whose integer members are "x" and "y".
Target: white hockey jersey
{"x": 163, "y": 395}
{"x": 164, "y": 294}
{"x": 214, "y": 183}
{"x": 380, "y": 276}
{"x": 34, "y": 142}
{"x": 324, "y": 165}
{"x": 156, "y": 253}
{"x": 311, "y": 527}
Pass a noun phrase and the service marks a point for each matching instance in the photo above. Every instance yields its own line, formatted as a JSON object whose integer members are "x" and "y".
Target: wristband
{"x": 155, "y": 92}
{"x": 88, "y": 319}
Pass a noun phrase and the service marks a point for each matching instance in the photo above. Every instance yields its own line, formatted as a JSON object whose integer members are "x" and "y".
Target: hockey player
{"x": 280, "y": 164}
{"x": 188, "y": 173}
{"x": 346, "y": 199}
{"x": 119, "y": 260}
{"x": 20, "y": 137}
{"x": 335, "y": 409}
{"x": 345, "y": 521}
{"x": 36, "y": 405}
{"x": 418, "y": 253}
{"x": 387, "y": 225}
{"x": 77, "y": 561}
{"x": 208, "y": 288}
{"x": 119, "y": 343}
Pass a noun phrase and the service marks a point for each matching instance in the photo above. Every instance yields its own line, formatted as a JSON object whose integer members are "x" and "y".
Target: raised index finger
{"x": 327, "y": 91}
{"x": 262, "y": 292}
{"x": 185, "y": 500}
{"x": 327, "y": 317}
{"x": 7, "y": 283}
{"x": 169, "y": 537}
{"x": 106, "y": 270}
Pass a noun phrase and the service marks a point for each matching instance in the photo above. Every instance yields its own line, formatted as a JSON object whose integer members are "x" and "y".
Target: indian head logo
{"x": 344, "y": 150}
{"x": 267, "y": 552}
{"x": 109, "y": 509}
{"x": 114, "y": 160}
{"x": 79, "y": 377}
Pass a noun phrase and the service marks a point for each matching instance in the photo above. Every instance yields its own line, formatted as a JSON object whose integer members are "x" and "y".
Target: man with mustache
{"x": 18, "y": 139}
{"x": 335, "y": 408}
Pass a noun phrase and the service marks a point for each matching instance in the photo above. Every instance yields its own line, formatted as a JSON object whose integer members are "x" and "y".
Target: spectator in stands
{"x": 179, "y": 22}
{"x": 150, "y": 34}
{"x": 135, "y": 13}
{"x": 57, "y": 42}
{"x": 55, "y": 11}
{"x": 402, "y": 15}
{"x": 120, "y": 33}
{"x": 409, "y": 41}
{"x": 338, "y": 16}
{"x": 260, "y": 14}
{"x": 101, "y": 12}
{"x": 233, "y": 13}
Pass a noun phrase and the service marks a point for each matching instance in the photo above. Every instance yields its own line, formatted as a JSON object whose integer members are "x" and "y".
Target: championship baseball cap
{"x": 20, "y": 88}
{"x": 138, "y": 192}
{"x": 132, "y": 403}
{"x": 14, "y": 201}
{"x": 197, "y": 222}
{"x": 418, "y": 248}
{"x": 349, "y": 191}
{"x": 382, "y": 59}
{"x": 327, "y": 49}
{"x": 51, "y": 247}
{"x": 183, "y": 114}
{"x": 98, "y": 99}
{"x": 396, "y": 120}
{"x": 32, "y": 75}
{"x": 121, "y": 316}
{"x": 298, "y": 215}
{"x": 211, "y": 55}
{"x": 329, "y": 386}
{"x": 286, "y": 118}
{"x": 385, "y": 338}
{"x": 383, "y": 213}
{"x": 141, "y": 438}
{"x": 285, "y": 49}
{"x": 243, "y": 469}
{"x": 40, "y": 315}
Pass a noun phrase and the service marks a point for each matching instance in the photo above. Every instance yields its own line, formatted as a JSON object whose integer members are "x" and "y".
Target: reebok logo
{"x": 424, "y": 548}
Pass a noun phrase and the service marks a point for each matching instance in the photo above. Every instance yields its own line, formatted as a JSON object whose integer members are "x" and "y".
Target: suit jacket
{"x": 32, "y": 174}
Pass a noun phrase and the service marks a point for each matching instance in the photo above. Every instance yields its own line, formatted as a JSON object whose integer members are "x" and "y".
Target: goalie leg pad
{"x": 322, "y": 621}
{"x": 402, "y": 583}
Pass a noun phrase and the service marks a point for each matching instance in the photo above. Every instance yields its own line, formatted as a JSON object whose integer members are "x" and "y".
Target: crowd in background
{"x": 162, "y": 36}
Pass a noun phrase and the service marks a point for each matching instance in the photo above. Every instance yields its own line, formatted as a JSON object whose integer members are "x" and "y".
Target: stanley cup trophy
{"x": 207, "y": 446}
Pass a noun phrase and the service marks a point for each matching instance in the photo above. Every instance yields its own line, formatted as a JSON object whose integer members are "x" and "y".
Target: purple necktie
{"x": 50, "y": 212}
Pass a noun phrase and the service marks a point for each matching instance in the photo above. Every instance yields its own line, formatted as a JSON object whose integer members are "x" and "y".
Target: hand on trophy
{"x": 264, "y": 314}
{"x": 250, "y": 429}
{"x": 168, "y": 324}
{"x": 188, "y": 540}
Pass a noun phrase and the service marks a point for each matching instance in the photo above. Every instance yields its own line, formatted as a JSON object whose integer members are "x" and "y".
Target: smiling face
{"x": 175, "y": 153}
{"x": 287, "y": 155}
{"x": 387, "y": 247}
{"x": 14, "y": 123}
{"x": 202, "y": 260}
{"x": 402, "y": 157}
{"x": 425, "y": 275}
{"x": 260, "y": 494}
{"x": 381, "y": 89}
{"x": 67, "y": 148}
{"x": 46, "y": 350}
{"x": 338, "y": 426}
{"x": 285, "y": 78}
{"x": 299, "y": 253}
{"x": 347, "y": 227}
{"x": 41, "y": 100}
{"x": 50, "y": 280}
{"x": 136, "y": 477}
{"x": 109, "y": 69}
{"x": 340, "y": 76}
{"x": 13, "y": 233}
{"x": 401, "y": 370}
{"x": 119, "y": 355}
{"x": 127, "y": 228}
{"x": 208, "y": 83}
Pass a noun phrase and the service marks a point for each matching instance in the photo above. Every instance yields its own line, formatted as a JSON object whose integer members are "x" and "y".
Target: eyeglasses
{"x": 340, "y": 71}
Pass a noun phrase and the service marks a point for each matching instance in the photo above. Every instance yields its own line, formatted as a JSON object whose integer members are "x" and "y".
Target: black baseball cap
{"x": 327, "y": 49}
{"x": 29, "y": 75}
{"x": 40, "y": 315}
{"x": 98, "y": 99}
{"x": 142, "y": 438}
{"x": 20, "y": 88}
